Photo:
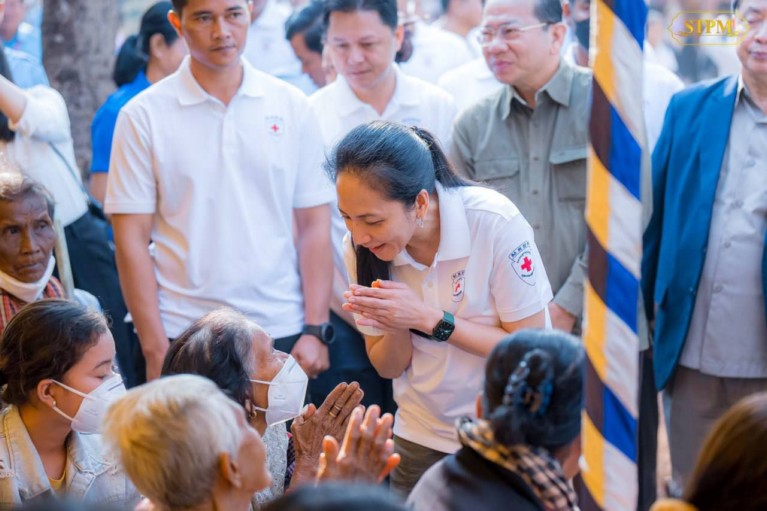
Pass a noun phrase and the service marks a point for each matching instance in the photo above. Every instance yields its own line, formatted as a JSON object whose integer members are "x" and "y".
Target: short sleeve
{"x": 519, "y": 283}
{"x": 350, "y": 260}
{"x": 131, "y": 187}
{"x": 313, "y": 186}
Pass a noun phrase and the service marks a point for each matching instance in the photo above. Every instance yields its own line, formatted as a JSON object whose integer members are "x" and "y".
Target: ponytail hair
{"x": 134, "y": 53}
{"x": 396, "y": 161}
{"x": 534, "y": 389}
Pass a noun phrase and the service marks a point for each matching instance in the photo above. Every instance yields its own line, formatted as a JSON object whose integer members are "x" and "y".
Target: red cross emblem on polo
{"x": 275, "y": 125}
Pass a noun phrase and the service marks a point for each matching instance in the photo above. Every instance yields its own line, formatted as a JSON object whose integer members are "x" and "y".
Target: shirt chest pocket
{"x": 568, "y": 167}
{"x": 502, "y": 174}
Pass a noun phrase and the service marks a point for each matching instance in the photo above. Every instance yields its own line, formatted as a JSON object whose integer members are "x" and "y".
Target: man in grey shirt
{"x": 529, "y": 140}
{"x": 705, "y": 266}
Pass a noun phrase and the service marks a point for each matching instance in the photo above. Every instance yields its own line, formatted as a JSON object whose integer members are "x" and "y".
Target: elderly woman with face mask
{"x": 270, "y": 386}
{"x": 27, "y": 239}
{"x": 56, "y": 360}
{"x": 188, "y": 446}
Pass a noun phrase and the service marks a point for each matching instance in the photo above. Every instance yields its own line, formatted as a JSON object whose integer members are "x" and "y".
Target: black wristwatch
{"x": 324, "y": 332}
{"x": 444, "y": 328}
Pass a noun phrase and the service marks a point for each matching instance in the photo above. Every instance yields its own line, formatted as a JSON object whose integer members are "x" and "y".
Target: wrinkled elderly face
{"x": 752, "y": 51}
{"x": 27, "y": 238}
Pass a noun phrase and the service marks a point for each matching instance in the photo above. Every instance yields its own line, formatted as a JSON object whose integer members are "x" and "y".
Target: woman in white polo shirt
{"x": 440, "y": 272}
{"x": 362, "y": 40}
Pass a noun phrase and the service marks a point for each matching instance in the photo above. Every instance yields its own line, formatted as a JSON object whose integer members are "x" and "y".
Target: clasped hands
{"x": 366, "y": 449}
{"x": 390, "y": 306}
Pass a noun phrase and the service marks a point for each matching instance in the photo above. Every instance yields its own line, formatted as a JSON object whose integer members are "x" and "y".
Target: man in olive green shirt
{"x": 529, "y": 140}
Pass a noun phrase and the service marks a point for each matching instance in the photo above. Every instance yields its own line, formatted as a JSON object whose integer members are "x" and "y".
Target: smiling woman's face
{"x": 383, "y": 226}
{"x": 26, "y": 238}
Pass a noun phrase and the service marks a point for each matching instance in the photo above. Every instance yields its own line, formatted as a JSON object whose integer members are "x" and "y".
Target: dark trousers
{"x": 348, "y": 362}
{"x": 94, "y": 270}
{"x": 648, "y": 433}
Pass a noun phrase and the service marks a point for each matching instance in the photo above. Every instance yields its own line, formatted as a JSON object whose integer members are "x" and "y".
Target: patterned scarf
{"x": 11, "y": 304}
{"x": 535, "y": 465}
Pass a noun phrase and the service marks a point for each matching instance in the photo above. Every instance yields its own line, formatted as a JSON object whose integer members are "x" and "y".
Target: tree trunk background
{"x": 78, "y": 55}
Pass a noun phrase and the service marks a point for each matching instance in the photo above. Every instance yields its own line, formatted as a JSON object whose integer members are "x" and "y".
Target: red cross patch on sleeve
{"x": 523, "y": 263}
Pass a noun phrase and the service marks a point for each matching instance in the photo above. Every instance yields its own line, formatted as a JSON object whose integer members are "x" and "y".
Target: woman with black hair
{"x": 523, "y": 451}
{"x": 144, "y": 58}
{"x": 57, "y": 380}
{"x": 440, "y": 272}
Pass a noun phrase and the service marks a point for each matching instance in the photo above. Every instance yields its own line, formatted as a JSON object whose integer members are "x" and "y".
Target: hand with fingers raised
{"x": 367, "y": 453}
{"x": 309, "y": 429}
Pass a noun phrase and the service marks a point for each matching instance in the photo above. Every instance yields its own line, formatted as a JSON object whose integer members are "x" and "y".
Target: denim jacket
{"x": 91, "y": 476}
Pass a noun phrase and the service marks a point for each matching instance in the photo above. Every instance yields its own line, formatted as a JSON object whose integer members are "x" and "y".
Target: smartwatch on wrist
{"x": 444, "y": 328}
{"x": 324, "y": 332}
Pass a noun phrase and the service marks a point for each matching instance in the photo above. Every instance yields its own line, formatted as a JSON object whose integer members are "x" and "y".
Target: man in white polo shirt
{"x": 214, "y": 164}
{"x": 362, "y": 39}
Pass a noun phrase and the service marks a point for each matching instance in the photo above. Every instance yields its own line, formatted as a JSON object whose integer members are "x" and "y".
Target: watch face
{"x": 328, "y": 333}
{"x": 443, "y": 330}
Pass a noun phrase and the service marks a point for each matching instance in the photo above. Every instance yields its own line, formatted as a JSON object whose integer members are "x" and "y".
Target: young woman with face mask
{"x": 440, "y": 271}
{"x": 56, "y": 369}
{"x": 240, "y": 358}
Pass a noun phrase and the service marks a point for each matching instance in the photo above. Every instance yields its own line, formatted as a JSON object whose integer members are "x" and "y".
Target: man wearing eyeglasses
{"x": 529, "y": 140}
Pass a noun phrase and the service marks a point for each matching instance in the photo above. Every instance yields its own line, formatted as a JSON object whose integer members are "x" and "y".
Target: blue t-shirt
{"x": 104, "y": 121}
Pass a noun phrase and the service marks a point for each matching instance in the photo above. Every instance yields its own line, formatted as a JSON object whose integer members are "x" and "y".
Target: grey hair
{"x": 15, "y": 186}
{"x": 218, "y": 346}
{"x": 168, "y": 436}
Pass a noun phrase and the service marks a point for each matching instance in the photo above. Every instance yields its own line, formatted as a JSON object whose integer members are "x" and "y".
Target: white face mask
{"x": 94, "y": 406}
{"x": 27, "y": 291}
{"x": 287, "y": 392}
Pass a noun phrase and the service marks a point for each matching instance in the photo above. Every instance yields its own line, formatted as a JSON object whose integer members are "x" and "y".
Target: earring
{"x": 419, "y": 221}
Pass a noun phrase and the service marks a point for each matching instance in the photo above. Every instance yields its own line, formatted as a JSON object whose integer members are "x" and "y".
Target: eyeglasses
{"x": 506, "y": 32}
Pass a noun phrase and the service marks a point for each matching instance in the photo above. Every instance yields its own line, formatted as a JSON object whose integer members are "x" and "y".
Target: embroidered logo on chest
{"x": 458, "y": 285}
{"x": 523, "y": 263}
{"x": 275, "y": 125}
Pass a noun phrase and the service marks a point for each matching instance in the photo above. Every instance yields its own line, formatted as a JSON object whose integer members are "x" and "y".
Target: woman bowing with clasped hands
{"x": 441, "y": 270}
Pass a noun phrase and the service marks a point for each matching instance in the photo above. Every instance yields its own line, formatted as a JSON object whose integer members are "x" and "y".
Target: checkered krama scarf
{"x": 11, "y": 304}
{"x": 535, "y": 465}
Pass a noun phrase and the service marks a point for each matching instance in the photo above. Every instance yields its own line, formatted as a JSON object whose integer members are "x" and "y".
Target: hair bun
{"x": 530, "y": 385}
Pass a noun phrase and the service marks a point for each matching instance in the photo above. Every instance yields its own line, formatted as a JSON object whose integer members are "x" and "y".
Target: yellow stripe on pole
{"x": 598, "y": 206}
{"x": 593, "y": 478}
{"x": 594, "y": 337}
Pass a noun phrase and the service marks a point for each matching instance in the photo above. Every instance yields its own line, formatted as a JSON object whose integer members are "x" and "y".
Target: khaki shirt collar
{"x": 743, "y": 97}
{"x": 558, "y": 88}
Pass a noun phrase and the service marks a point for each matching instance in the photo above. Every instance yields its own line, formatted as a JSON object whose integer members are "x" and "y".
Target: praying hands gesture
{"x": 367, "y": 453}
{"x": 309, "y": 429}
{"x": 391, "y": 307}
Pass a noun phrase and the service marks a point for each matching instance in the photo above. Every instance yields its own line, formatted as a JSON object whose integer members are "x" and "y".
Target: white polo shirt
{"x": 487, "y": 270}
{"x": 222, "y": 183}
{"x": 469, "y": 83}
{"x": 414, "y": 103}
